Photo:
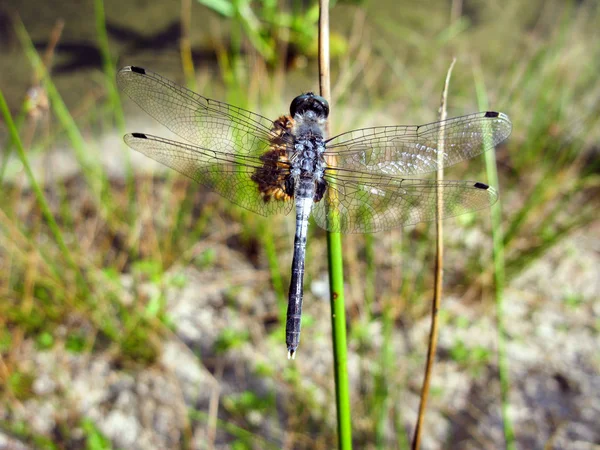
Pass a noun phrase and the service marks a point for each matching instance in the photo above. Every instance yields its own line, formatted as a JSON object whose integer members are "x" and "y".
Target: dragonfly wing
{"x": 197, "y": 119}
{"x": 370, "y": 203}
{"x": 412, "y": 150}
{"x": 245, "y": 180}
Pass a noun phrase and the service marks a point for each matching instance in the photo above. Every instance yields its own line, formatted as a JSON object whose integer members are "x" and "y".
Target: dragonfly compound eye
{"x": 309, "y": 102}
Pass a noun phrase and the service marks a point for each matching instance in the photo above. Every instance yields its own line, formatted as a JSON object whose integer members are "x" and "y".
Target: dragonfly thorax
{"x": 308, "y": 166}
{"x": 309, "y": 112}
{"x": 307, "y": 159}
{"x": 309, "y": 124}
{"x": 309, "y": 136}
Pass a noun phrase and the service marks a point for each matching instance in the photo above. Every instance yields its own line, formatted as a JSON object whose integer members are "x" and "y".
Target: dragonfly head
{"x": 310, "y": 102}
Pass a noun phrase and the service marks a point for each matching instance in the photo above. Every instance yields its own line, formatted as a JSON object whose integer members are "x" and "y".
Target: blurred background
{"x": 149, "y": 313}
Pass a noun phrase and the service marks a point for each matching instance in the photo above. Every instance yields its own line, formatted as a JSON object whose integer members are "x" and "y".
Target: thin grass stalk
{"x": 393, "y": 307}
{"x": 116, "y": 107}
{"x": 382, "y": 379}
{"x": 22, "y": 242}
{"x": 336, "y": 267}
{"x": 26, "y": 108}
{"x": 246, "y": 437}
{"x": 39, "y": 195}
{"x": 92, "y": 169}
{"x": 276, "y": 279}
{"x": 499, "y": 274}
{"x": 185, "y": 46}
{"x": 438, "y": 271}
{"x": 402, "y": 438}
{"x": 517, "y": 264}
{"x": 233, "y": 79}
{"x": 20, "y": 120}
{"x": 108, "y": 65}
{"x": 369, "y": 275}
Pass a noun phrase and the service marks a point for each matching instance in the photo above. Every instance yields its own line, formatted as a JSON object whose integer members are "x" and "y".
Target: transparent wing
{"x": 368, "y": 203}
{"x": 412, "y": 150}
{"x": 197, "y": 119}
{"x": 235, "y": 177}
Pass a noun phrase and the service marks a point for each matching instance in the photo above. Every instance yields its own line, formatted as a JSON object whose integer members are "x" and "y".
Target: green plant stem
{"x": 338, "y": 324}
{"x": 336, "y": 267}
{"x": 499, "y": 274}
{"x": 38, "y": 192}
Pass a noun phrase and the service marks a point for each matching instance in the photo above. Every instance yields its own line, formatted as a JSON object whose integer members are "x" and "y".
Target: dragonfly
{"x": 360, "y": 181}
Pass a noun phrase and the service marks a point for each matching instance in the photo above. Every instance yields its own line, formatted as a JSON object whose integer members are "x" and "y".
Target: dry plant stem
{"x": 438, "y": 279}
{"x": 185, "y": 46}
{"x": 50, "y": 49}
{"x": 456, "y": 10}
{"x": 336, "y": 275}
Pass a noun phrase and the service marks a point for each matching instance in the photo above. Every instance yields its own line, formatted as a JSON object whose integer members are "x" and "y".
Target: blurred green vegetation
{"x": 125, "y": 237}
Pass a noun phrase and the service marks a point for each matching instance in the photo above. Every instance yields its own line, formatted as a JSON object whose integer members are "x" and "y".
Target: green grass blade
{"x": 185, "y": 45}
{"x": 271, "y": 251}
{"x": 26, "y": 238}
{"x": 10, "y": 143}
{"x": 247, "y": 437}
{"x": 114, "y": 99}
{"x": 39, "y": 195}
{"x": 223, "y": 7}
{"x": 91, "y": 168}
{"x": 107, "y": 65}
{"x": 370, "y": 274}
{"x": 383, "y": 400}
{"x": 499, "y": 275}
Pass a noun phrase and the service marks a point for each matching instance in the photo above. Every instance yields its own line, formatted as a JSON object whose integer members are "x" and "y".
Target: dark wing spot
{"x": 139, "y": 135}
{"x": 483, "y": 186}
{"x": 139, "y": 70}
{"x": 491, "y": 114}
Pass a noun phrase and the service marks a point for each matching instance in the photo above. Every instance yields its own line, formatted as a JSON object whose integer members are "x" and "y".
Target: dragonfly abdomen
{"x": 304, "y": 200}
